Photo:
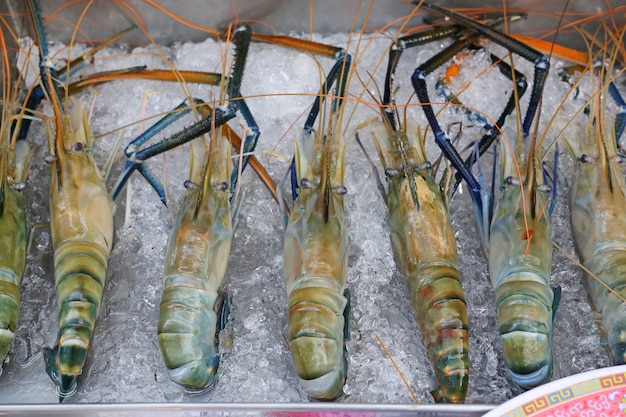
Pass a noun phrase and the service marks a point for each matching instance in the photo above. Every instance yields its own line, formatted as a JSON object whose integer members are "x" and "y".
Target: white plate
{"x": 591, "y": 394}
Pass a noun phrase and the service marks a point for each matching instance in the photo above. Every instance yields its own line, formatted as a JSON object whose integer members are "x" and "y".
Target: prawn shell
{"x": 520, "y": 274}
{"x": 425, "y": 249}
{"x": 195, "y": 266}
{"x": 81, "y": 225}
{"x": 598, "y": 215}
{"x": 315, "y": 268}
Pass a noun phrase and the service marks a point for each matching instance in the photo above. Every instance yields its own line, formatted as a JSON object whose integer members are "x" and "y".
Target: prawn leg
{"x": 419, "y": 84}
{"x": 217, "y": 118}
{"x": 539, "y": 60}
{"x": 37, "y": 94}
{"x": 492, "y": 132}
{"x": 465, "y": 40}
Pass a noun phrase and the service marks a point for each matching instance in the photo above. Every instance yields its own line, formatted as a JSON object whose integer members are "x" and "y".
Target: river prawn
{"x": 199, "y": 244}
{"x": 421, "y": 232}
{"x": 191, "y": 310}
{"x": 598, "y": 197}
{"x": 520, "y": 271}
{"x": 65, "y": 366}
{"x": 422, "y": 236}
{"x": 14, "y": 161}
{"x": 81, "y": 224}
{"x": 425, "y": 248}
{"x": 598, "y": 190}
{"x": 315, "y": 254}
{"x": 201, "y": 219}
{"x": 195, "y": 264}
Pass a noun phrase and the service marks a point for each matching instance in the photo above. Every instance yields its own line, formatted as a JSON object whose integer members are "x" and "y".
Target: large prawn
{"x": 197, "y": 252}
{"x": 14, "y": 159}
{"x": 422, "y": 236}
{"x": 195, "y": 264}
{"x": 315, "y": 255}
{"x": 200, "y": 241}
{"x": 425, "y": 247}
{"x": 81, "y": 223}
{"x": 598, "y": 209}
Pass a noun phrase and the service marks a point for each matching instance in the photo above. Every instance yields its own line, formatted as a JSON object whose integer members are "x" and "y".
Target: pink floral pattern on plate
{"x": 599, "y": 393}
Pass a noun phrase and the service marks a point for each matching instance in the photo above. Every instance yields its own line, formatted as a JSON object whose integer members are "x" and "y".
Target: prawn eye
{"x": 390, "y": 172}
{"x": 306, "y": 183}
{"x": 18, "y": 186}
{"x": 79, "y": 146}
{"x": 222, "y": 186}
{"x": 512, "y": 181}
{"x": 190, "y": 185}
{"x": 341, "y": 190}
{"x": 545, "y": 188}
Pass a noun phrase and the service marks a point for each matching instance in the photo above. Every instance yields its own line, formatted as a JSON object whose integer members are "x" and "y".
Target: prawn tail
{"x": 80, "y": 277}
{"x": 526, "y": 311}
{"x": 317, "y": 327}
{"x": 441, "y": 312}
{"x": 189, "y": 322}
{"x": 9, "y": 308}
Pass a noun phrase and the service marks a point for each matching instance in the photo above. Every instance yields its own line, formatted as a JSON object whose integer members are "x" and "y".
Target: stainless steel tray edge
{"x": 247, "y": 409}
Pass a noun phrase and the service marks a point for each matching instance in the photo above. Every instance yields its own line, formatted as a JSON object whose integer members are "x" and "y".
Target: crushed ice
{"x": 124, "y": 363}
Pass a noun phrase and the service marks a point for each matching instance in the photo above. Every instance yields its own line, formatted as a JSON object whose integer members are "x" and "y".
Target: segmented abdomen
{"x": 519, "y": 266}
{"x": 425, "y": 249}
{"x": 187, "y": 327}
{"x": 316, "y": 337}
{"x": 12, "y": 261}
{"x": 80, "y": 276}
{"x": 9, "y": 308}
{"x": 195, "y": 265}
{"x": 609, "y": 266}
{"x": 441, "y": 313}
{"x": 13, "y": 237}
{"x": 525, "y": 314}
{"x": 315, "y": 262}
{"x": 81, "y": 227}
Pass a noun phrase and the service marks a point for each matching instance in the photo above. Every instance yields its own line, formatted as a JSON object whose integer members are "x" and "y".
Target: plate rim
{"x": 553, "y": 386}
